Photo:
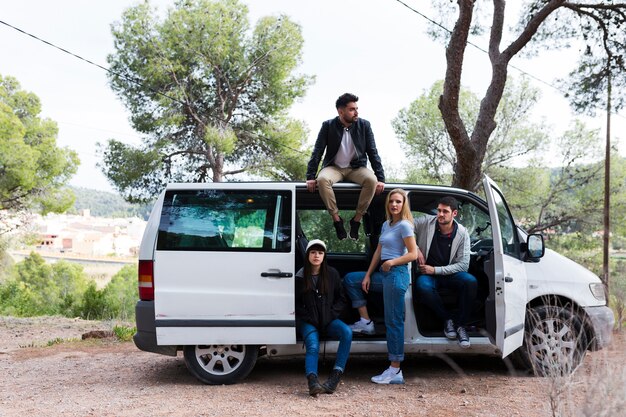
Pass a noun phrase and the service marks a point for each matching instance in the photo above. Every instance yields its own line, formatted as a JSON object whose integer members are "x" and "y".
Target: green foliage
{"x": 317, "y": 224}
{"x": 564, "y": 198}
{"x": 92, "y": 305}
{"x": 212, "y": 99}
{"x": 120, "y": 294}
{"x": 104, "y": 204}
{"x": 618, "y": 293}
{"x": 582, "y": 248}
{"x": 424, "y": 138}
{"x": 37, "y": 288}
{"x": 124, "y": 333}
{"x": 33, "y": 169}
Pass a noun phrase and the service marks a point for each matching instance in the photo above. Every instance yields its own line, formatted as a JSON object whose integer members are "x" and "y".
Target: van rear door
{"x": 510, "y": 284}
{"x": 224, "y": 264}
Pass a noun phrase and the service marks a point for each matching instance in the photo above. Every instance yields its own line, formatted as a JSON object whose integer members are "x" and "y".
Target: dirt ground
{"x": 110, "y": 378}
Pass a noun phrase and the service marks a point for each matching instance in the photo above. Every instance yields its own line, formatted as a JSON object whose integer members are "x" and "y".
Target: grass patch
{"x": 55, "y": 341}
{"x": 124, "y": 333}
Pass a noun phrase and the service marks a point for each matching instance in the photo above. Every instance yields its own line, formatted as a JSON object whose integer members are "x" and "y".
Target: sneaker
{"x": 389, "y": 377}
{"x": 462, "y": 337}
{"x": 341, "y": 232}
{"x": 362, "y": 327}
{"x": 354, "y": 229}
{"x": 449, "y": 330}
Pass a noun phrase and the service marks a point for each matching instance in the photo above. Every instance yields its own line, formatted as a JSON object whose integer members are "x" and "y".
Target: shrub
{"x": 93, "y": 305}
{"x": 124, "y": 333}
{"x": 120, "y": 294}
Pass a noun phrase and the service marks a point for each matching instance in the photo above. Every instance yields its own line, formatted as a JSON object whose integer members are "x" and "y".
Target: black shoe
{"x": 463, "y": 338}
{"x": 354, "y": 229}
{"x": 314, "y": 385}
{"x": 449, "y": 330}
{"x": 341, "y": 232}
{"x": 333, "y": 380}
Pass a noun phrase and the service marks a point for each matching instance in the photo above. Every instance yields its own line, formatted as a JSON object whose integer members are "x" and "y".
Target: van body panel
{"x": 224, "y": 264}
{"x": 559, "y": 275}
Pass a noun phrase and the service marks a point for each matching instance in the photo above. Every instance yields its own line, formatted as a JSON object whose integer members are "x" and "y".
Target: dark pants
{"x": 464, "y": 285}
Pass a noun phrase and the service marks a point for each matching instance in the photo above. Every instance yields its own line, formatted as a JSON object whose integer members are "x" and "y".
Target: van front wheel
{"x": 554, "y": 341}
{"x": 220, "y": 364}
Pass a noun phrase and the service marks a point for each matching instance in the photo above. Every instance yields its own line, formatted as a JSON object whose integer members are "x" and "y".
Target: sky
{"x": 376, "y": 49}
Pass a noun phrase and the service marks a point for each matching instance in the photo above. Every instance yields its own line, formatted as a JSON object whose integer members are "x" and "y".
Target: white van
{"x": 217, "y": 265}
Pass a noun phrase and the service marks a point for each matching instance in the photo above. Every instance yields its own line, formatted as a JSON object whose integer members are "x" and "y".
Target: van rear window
{"x": 226, "y": 220}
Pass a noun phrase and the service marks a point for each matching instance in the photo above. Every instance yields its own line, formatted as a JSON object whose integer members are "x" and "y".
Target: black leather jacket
{"x": 329, "y": 139}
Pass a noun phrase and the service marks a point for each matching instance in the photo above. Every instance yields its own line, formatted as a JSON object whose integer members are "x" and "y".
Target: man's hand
{"x": 310, "y": 185}
{"x": 420, "y": 257}
{"x": 379, "y": 187}
{"x": 427, "y": 269}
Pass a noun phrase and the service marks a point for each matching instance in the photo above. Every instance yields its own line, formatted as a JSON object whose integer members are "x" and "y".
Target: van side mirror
{"x": 535, "y": 246}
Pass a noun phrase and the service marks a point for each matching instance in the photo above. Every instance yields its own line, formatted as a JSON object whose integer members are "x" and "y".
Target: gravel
{"x": 48, "y": 370}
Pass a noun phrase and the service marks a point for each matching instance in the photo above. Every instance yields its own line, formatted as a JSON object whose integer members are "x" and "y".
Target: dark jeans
{"x": 464, "y": 285}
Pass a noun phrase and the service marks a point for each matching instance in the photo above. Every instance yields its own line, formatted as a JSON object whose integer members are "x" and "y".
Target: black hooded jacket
{"x": 316, "y": 308}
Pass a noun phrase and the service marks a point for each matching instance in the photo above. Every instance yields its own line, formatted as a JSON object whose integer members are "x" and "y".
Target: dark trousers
{"x": 464, "y": 285}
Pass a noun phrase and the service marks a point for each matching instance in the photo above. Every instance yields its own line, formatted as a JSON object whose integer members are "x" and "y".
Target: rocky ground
{"x": 48, "y": 370}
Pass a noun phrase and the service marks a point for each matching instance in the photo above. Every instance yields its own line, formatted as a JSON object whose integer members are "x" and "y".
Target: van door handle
{"x": 277, "y": 274}
{"x": 508, "y": 278}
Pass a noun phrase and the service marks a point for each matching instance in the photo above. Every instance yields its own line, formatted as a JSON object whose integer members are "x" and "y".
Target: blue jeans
{"x": 463, "y": 283}
{"x": 311, "y": 337}
{"x": 393, "y": 285}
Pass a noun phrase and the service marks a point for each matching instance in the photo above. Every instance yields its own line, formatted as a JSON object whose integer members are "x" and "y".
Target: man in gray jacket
{"x": 443, "y": 260}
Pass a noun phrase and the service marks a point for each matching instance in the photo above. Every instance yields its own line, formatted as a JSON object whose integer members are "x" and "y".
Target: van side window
{"x": 475, "y": 219}
{"x": 226, "y": 220}
{"x": 510, "y": 242}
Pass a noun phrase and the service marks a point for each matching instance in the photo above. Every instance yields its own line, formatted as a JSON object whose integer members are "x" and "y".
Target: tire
{"x": 220, "y": 364}
{"x": 554, "y": 341}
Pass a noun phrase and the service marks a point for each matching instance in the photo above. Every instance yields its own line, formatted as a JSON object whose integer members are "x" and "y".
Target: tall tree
{"x": 423, "y": 135}
{"x": 210, "y": 95}
{"x": 553, "y": 23}
{"x": 542, "y": 198}
{"x": 600, "y": 79}
{"x": 33, "y": 170}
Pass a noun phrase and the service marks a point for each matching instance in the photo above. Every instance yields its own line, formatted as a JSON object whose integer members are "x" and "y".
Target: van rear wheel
{"x": 554, "y": 341}
{"x": 220, "y": 364}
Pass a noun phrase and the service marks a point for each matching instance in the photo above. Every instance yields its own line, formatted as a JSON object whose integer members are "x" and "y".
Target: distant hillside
{"x": 105, "y": 204}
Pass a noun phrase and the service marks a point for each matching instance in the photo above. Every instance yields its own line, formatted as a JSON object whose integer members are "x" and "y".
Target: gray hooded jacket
{"x": 459, "y": 252}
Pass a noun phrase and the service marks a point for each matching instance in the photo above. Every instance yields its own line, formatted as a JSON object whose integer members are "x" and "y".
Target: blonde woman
{"x": 388, "y": 272}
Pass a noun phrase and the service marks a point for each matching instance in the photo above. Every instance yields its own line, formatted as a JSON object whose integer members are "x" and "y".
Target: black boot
{"x": 333, "y": 380}
{"x": 314, "y": 385}
{"x": 341, "y": 231}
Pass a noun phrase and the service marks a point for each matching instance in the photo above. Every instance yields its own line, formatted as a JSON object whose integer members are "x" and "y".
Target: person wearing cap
{"x": 320, "y": 299}
{"x": 347, "y": 142}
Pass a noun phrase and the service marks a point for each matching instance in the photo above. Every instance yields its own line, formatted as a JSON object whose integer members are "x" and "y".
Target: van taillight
{"x": 146, "y": 280}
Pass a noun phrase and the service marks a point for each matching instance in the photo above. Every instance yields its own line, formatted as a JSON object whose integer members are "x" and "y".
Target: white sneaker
{"x": 362, "y": 327}
{"x": 389, "y": 376}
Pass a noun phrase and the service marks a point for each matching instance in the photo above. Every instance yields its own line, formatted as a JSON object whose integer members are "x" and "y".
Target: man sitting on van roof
{"x": 348, "y": 142}
{"x": 443, "y": 260}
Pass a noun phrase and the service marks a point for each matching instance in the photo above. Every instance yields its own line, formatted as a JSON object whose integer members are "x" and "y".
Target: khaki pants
{"x": 332, "y": 174}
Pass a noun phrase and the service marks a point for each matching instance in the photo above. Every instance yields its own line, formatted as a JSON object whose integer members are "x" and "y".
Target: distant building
{"x": 90, "y": 236}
